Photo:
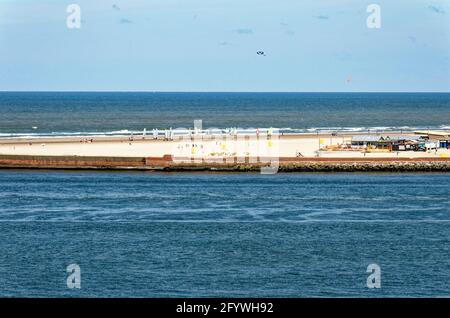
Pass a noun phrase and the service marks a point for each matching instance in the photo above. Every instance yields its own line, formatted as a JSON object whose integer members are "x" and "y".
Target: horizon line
{"x": 206, "y": 92}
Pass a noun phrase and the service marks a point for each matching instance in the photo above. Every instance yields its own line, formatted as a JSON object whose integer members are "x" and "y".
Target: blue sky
{"x": 207, "y": 45}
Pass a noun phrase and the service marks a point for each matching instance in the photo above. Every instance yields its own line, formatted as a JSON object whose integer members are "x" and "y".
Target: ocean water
{"x": 193, "y": 234}
{"x": 197, "y": 234}
{"x": 116, "y": 113}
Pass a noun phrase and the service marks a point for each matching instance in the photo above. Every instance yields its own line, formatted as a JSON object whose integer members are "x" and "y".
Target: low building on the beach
{"x": 370, "y": 142}
{"x": 389, "y": 143}
{"x": 441, "y": 138}
{"x": 407, "y": 143}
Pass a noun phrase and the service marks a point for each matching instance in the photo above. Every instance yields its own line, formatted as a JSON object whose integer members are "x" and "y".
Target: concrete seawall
{"x": 166, "y": 163}
{"x": 68, "y": 162}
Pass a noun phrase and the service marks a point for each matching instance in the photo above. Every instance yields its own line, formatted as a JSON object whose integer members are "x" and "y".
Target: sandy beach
{"x": 202, "y": 147}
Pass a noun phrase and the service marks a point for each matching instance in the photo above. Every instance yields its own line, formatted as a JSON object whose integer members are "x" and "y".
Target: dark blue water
{"x": 151, "y": 234}
{"x": 148, "y": 234}
{"x": 112, "y": 112}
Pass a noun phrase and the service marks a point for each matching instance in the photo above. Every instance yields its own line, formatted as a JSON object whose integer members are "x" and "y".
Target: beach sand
{"x": 306, "y": 145}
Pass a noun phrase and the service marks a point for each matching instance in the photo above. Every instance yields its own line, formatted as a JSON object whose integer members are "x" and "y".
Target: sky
{"x": 212, "y": 45}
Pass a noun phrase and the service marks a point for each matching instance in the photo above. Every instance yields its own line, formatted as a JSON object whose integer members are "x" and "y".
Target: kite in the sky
{"x": 349, "y": 78}
{"x": 261, "y": 53}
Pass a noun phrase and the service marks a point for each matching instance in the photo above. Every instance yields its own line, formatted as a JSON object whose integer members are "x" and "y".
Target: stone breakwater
{"x": 384, "y": 166}
{"x": 166, "y": 163}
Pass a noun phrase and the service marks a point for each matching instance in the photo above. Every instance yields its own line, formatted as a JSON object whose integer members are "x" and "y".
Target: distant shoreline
{"x": 202, "y": 151}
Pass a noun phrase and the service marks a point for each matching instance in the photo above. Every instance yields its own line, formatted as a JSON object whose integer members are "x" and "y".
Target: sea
{"x": 155, "y": 234}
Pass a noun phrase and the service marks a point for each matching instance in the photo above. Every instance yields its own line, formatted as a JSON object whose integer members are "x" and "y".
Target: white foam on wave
{"x": 286, "y": 130}
{"x": 124, "y": 132}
